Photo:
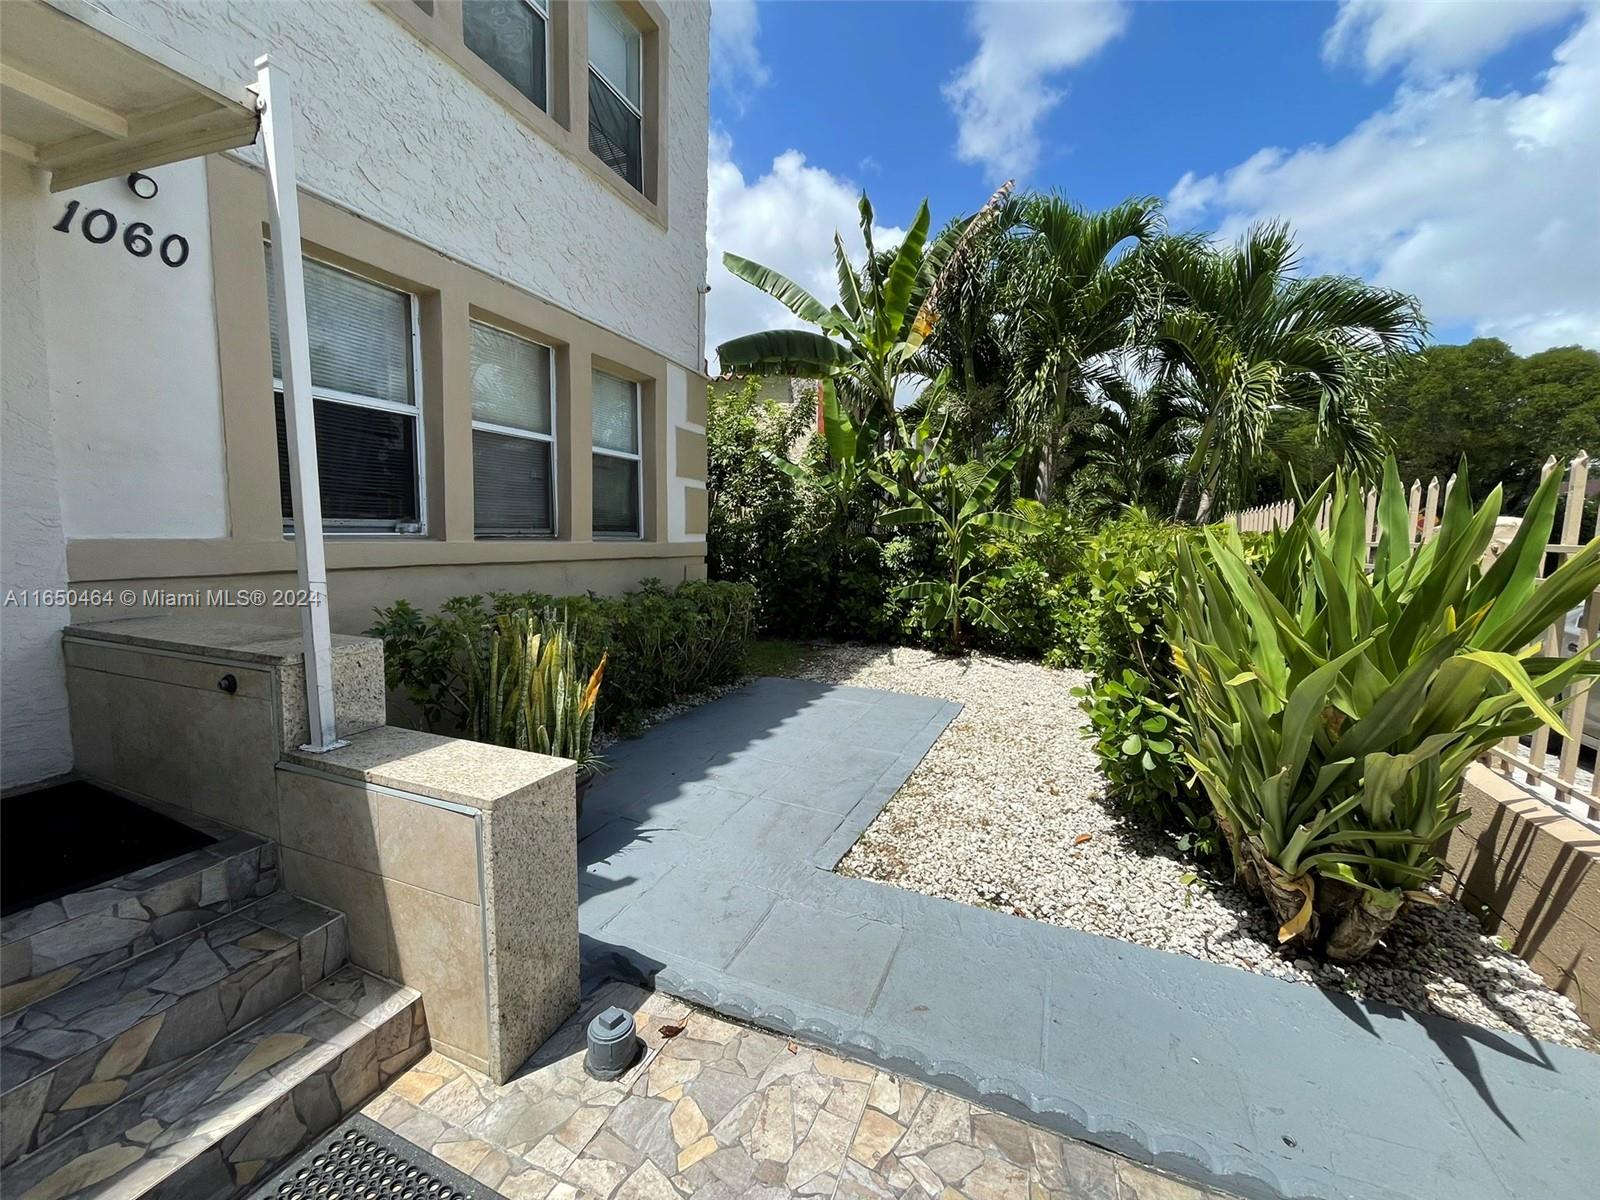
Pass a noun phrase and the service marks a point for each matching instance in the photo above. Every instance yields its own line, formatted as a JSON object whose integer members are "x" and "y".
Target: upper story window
{"x": 364, "y": 389}
{"x": 618, "y": 463}
{"x": 616, "y": 91}
{"x": 513, "y": 435}
{"x": 512, "y": 36}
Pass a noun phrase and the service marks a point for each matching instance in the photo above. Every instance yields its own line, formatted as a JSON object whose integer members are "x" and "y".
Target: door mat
{"x": 358, "y": 1159}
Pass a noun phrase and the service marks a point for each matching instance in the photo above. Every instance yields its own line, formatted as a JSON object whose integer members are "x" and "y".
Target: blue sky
{"x": 1450, "y": 149}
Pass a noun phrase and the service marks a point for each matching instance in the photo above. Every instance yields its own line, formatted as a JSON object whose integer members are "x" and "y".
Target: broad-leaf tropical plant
{"x": 1331, "y": 708}
{"x": 867, "y": 339}
{"x": 852, "y": 448}
{"x": 959, "y": 502}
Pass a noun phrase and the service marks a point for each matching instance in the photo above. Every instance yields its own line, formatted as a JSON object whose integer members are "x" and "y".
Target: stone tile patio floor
{"x": 706, "y": 871}
{"x": 725, "y": 1110}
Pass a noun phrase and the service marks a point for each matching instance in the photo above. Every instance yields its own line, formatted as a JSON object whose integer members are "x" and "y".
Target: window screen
{"x": 509, "y": 35}
{"x": 363, "y": 388}
{"x": 616, "y": 103}
{"x": 512, "y": 443}
{"x": 617, "y": 466}
{"x": 616, "y": 496}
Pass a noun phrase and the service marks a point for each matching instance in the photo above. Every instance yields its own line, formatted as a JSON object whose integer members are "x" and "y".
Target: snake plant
{"x": 1332, "y": 708}
{"x": 530, "y": 694}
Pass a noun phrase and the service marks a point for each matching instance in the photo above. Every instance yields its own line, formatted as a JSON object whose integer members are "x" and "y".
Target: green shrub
{"x": 1135, "y": 733}
{"x": 1028, "y": 582}
{"x": 1109, "y": 617}
{"x": 798, "y": 534}
{"x": 1331, "y": 709}
{"x": 659, "y": 645}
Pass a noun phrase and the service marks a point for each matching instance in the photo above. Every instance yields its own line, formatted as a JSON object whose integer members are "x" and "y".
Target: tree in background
{"x": 1506, "y": 414}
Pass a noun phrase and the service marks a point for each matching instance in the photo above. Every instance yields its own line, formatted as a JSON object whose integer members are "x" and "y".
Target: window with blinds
{"x": 364, "y": 396}
{"x": 618, "y": 468}
{"x": 512, "y": 37}
{"x": 513, "y": 435}
{"x": 616, "y": 95}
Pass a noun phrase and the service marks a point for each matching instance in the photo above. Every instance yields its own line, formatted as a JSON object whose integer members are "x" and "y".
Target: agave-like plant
{"x": 531, "y": 695}
{"x": 1331, "y": 709}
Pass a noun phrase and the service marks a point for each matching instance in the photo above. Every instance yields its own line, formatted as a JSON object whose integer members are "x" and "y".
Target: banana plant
{"x": 867, "y": 338}
{"x": 1331, "y": 709}
{"x": 852, "y": 447}
{"x": 958, "y": 500}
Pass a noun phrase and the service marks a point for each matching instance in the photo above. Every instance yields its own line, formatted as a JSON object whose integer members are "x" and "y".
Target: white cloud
{"x": 1484, "y": 206}
{"x": 1000, "y": 96}
{"x": 736, "y": 63}
{"x": 1433, "y": 37}
{"x": 785, "y": 220}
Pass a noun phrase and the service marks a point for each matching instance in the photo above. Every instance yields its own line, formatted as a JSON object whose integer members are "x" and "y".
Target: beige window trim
{"x": 566, "y": 124}
{"x": 450, "y": 296}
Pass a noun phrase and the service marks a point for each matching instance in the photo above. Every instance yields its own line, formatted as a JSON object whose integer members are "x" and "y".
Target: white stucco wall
{"x": 133, "y": 364}
{"x": 34, "y": 739}
{"x": 393, "y": 131}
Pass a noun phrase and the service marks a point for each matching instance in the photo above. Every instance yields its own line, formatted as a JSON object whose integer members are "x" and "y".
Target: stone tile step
{"x": 65, "y": 941}
{"x": 67, "y": 1056}
{"x": 237, "y": 1112}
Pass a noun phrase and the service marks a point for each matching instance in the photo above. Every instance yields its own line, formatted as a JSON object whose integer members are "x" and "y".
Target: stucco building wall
{"x": 138, "y": 440}
{"x": 391, "y": 130}
{"x": 34, "y": 740}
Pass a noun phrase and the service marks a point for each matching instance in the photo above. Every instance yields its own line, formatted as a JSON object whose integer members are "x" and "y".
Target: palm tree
{"x": 1076, "y": 297}
{"x": 970, "y": 347}
{"x": 1239, "y": 336}
{"x": 1135, "y": 450}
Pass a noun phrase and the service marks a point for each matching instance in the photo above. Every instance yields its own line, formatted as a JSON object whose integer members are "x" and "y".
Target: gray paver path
{"x": 705, "y": 859}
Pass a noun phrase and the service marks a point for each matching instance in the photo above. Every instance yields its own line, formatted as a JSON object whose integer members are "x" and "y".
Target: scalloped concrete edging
{"x": 706, "y": 861}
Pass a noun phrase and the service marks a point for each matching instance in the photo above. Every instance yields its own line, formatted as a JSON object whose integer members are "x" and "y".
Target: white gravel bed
{"x": 997, "y": 813}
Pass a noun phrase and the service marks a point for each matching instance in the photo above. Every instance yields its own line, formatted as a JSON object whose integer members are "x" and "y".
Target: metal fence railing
{"x": 1563, "y": 776}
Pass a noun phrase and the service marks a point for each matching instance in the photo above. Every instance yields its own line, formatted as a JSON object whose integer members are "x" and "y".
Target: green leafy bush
{"x": 1331, "y": 709}
{"x": 1110, "y": 615}
{"x": 799, "y": 533}
{"x": 659, "y": 645}
{"x": 1028, "y": 582}
{"x": 1135, "y": 732}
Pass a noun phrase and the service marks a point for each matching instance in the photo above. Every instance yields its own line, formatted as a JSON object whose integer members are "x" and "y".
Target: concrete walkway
{"x": 706, "y": 859}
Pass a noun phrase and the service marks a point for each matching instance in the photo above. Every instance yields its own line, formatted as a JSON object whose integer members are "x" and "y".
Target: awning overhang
{"x": 87, "y": 96}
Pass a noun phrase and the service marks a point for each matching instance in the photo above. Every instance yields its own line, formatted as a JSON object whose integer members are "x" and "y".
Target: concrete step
{"x": 237, "y": 1112}
{"x": 71, "y": 1054}
{"x": 66, "y": 941}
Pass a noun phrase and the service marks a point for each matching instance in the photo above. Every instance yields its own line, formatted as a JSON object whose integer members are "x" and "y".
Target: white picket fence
{"x": 1564, "y": 779}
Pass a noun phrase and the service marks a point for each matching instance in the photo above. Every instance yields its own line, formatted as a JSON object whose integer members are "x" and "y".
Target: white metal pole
{"x": 288, "y": 283}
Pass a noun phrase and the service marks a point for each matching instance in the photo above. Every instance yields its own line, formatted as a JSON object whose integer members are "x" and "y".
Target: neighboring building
{"x": 785, "y": 390}
{"x": 504, "y": 215}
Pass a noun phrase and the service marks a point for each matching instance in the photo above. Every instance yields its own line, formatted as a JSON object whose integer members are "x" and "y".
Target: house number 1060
{"x": 100, "y": 226}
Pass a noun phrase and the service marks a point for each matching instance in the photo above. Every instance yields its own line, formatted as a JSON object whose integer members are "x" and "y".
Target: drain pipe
{"x": 288, "y": 284}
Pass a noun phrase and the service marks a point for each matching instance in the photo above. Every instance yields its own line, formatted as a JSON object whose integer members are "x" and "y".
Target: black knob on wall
{"x": 228, "y": 684}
